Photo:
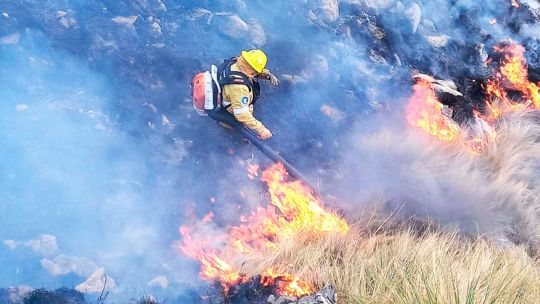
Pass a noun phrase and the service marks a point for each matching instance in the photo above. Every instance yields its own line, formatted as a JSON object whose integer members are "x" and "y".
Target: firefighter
{"x": 238, "y": 77}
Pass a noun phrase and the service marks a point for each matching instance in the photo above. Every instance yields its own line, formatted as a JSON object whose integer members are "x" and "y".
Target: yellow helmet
{"x": 256, "y": 58}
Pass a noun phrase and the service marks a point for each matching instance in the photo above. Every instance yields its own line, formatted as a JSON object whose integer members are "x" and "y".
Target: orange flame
{"x": 294, "y": 208}
{"x": 425, "y": 111}
{"x": 514, "y": 72}
{"x": 498, "y": 102}
{"x": 291, "y": 285}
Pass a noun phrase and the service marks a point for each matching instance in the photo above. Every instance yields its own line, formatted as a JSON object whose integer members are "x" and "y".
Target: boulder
{"x": 414, "y": 13}
{"x": 439, "y": 41}
{"x": 125, "y": 21}
{"x": 257, "y": 36}
{"x": 97, "y": 282}
{"x": 326, "y": 11}
{"x": 63, "y": 264}
{"x": 14, "y": 295}
{"x": 232, "y": 25}
{"x": 201, "y": 14}
{"x": 373, "y": 4}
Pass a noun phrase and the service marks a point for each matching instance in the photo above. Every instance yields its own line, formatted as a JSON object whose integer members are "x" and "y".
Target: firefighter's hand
{"x": 273, "y": 79}
{"x": 265, "y": 134}
{"x": 266, "y": 74}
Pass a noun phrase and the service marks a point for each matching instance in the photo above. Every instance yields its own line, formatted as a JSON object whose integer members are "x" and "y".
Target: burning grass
{"x": 294, "y": 207}
{"x": 480, "y": 176}
{"x": 492, "y": 197}
{"x": 407, "y": 267}
{"x": 426, "y": 112}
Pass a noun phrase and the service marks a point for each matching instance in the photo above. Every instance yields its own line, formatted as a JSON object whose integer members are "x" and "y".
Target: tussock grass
{"x": 407, "y": 267}
{"x": 492, "y": 198}
{"x": 495, "y": 194}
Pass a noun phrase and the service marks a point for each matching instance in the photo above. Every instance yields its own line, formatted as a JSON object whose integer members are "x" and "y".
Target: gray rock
{"x": 311, "y": 16}
{"x": 414, "y": 12}
{"x": 438, "y": 41}
{"x": 161, "y": 6}
{"x": 66, "y": 19}
{"x": 440, "y": 86}
{"x": 63, "y": 264}
{"x": 326, "y": 295}
{"x": 533, "y": 4}
{"x": 14, "y": 295}
{"x": 155, "y": 25}
{"x": 326, "y": 11}
{"x": 201, "y": 14}
{"x": 373, "y": 4}
{"x": 481, "y": 48}
{"x": 97, "y": 282}
{"x": 281, "y": 300}
{"x": 232, "y": 25}
{"x": 257, "y": 35}
{"x": 376, "y": 31}
{"x": 125, "y": 21}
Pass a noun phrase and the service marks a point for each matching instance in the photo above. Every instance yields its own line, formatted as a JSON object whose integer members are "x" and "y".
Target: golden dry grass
{"x": 433, "y": 267}
{"x": 493, "y": 199}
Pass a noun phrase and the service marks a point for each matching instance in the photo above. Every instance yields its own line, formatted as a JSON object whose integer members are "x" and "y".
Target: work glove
{"x": 273, "y": 79}
{"x": 265, "y": 134}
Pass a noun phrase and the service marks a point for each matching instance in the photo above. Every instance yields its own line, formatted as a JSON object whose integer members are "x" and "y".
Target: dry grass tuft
{"x": 405, "y": 267}
{"x": 493, "y": 199}
{"x": 495, "y": 194}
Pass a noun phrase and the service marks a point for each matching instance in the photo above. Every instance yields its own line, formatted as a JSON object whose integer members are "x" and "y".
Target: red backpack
{"x": 206, "y": 91}
{"x": 206, "y": 87}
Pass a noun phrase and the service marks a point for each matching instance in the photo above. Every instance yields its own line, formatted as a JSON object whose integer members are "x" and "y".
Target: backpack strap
{"x": 234, "y": 77}
{"x": 227, "y": 76}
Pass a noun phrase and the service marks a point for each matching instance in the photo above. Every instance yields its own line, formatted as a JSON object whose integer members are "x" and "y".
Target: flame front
{"x": 294, "y": 208}
{"x": 425, "y": 111}
{"x": 514, "y": 74}
{"x": 290, "y": 284}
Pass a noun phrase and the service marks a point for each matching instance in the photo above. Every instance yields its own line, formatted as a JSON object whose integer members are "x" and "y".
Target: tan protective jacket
{"x": 240, "y": 100}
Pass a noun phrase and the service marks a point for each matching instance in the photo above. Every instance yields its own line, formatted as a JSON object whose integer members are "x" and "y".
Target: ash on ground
{"x": 253, "y": 292}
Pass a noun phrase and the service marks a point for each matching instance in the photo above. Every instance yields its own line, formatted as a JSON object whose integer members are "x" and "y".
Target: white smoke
{"x": 100, "y": 143}
{"x": 495, "y": 194}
